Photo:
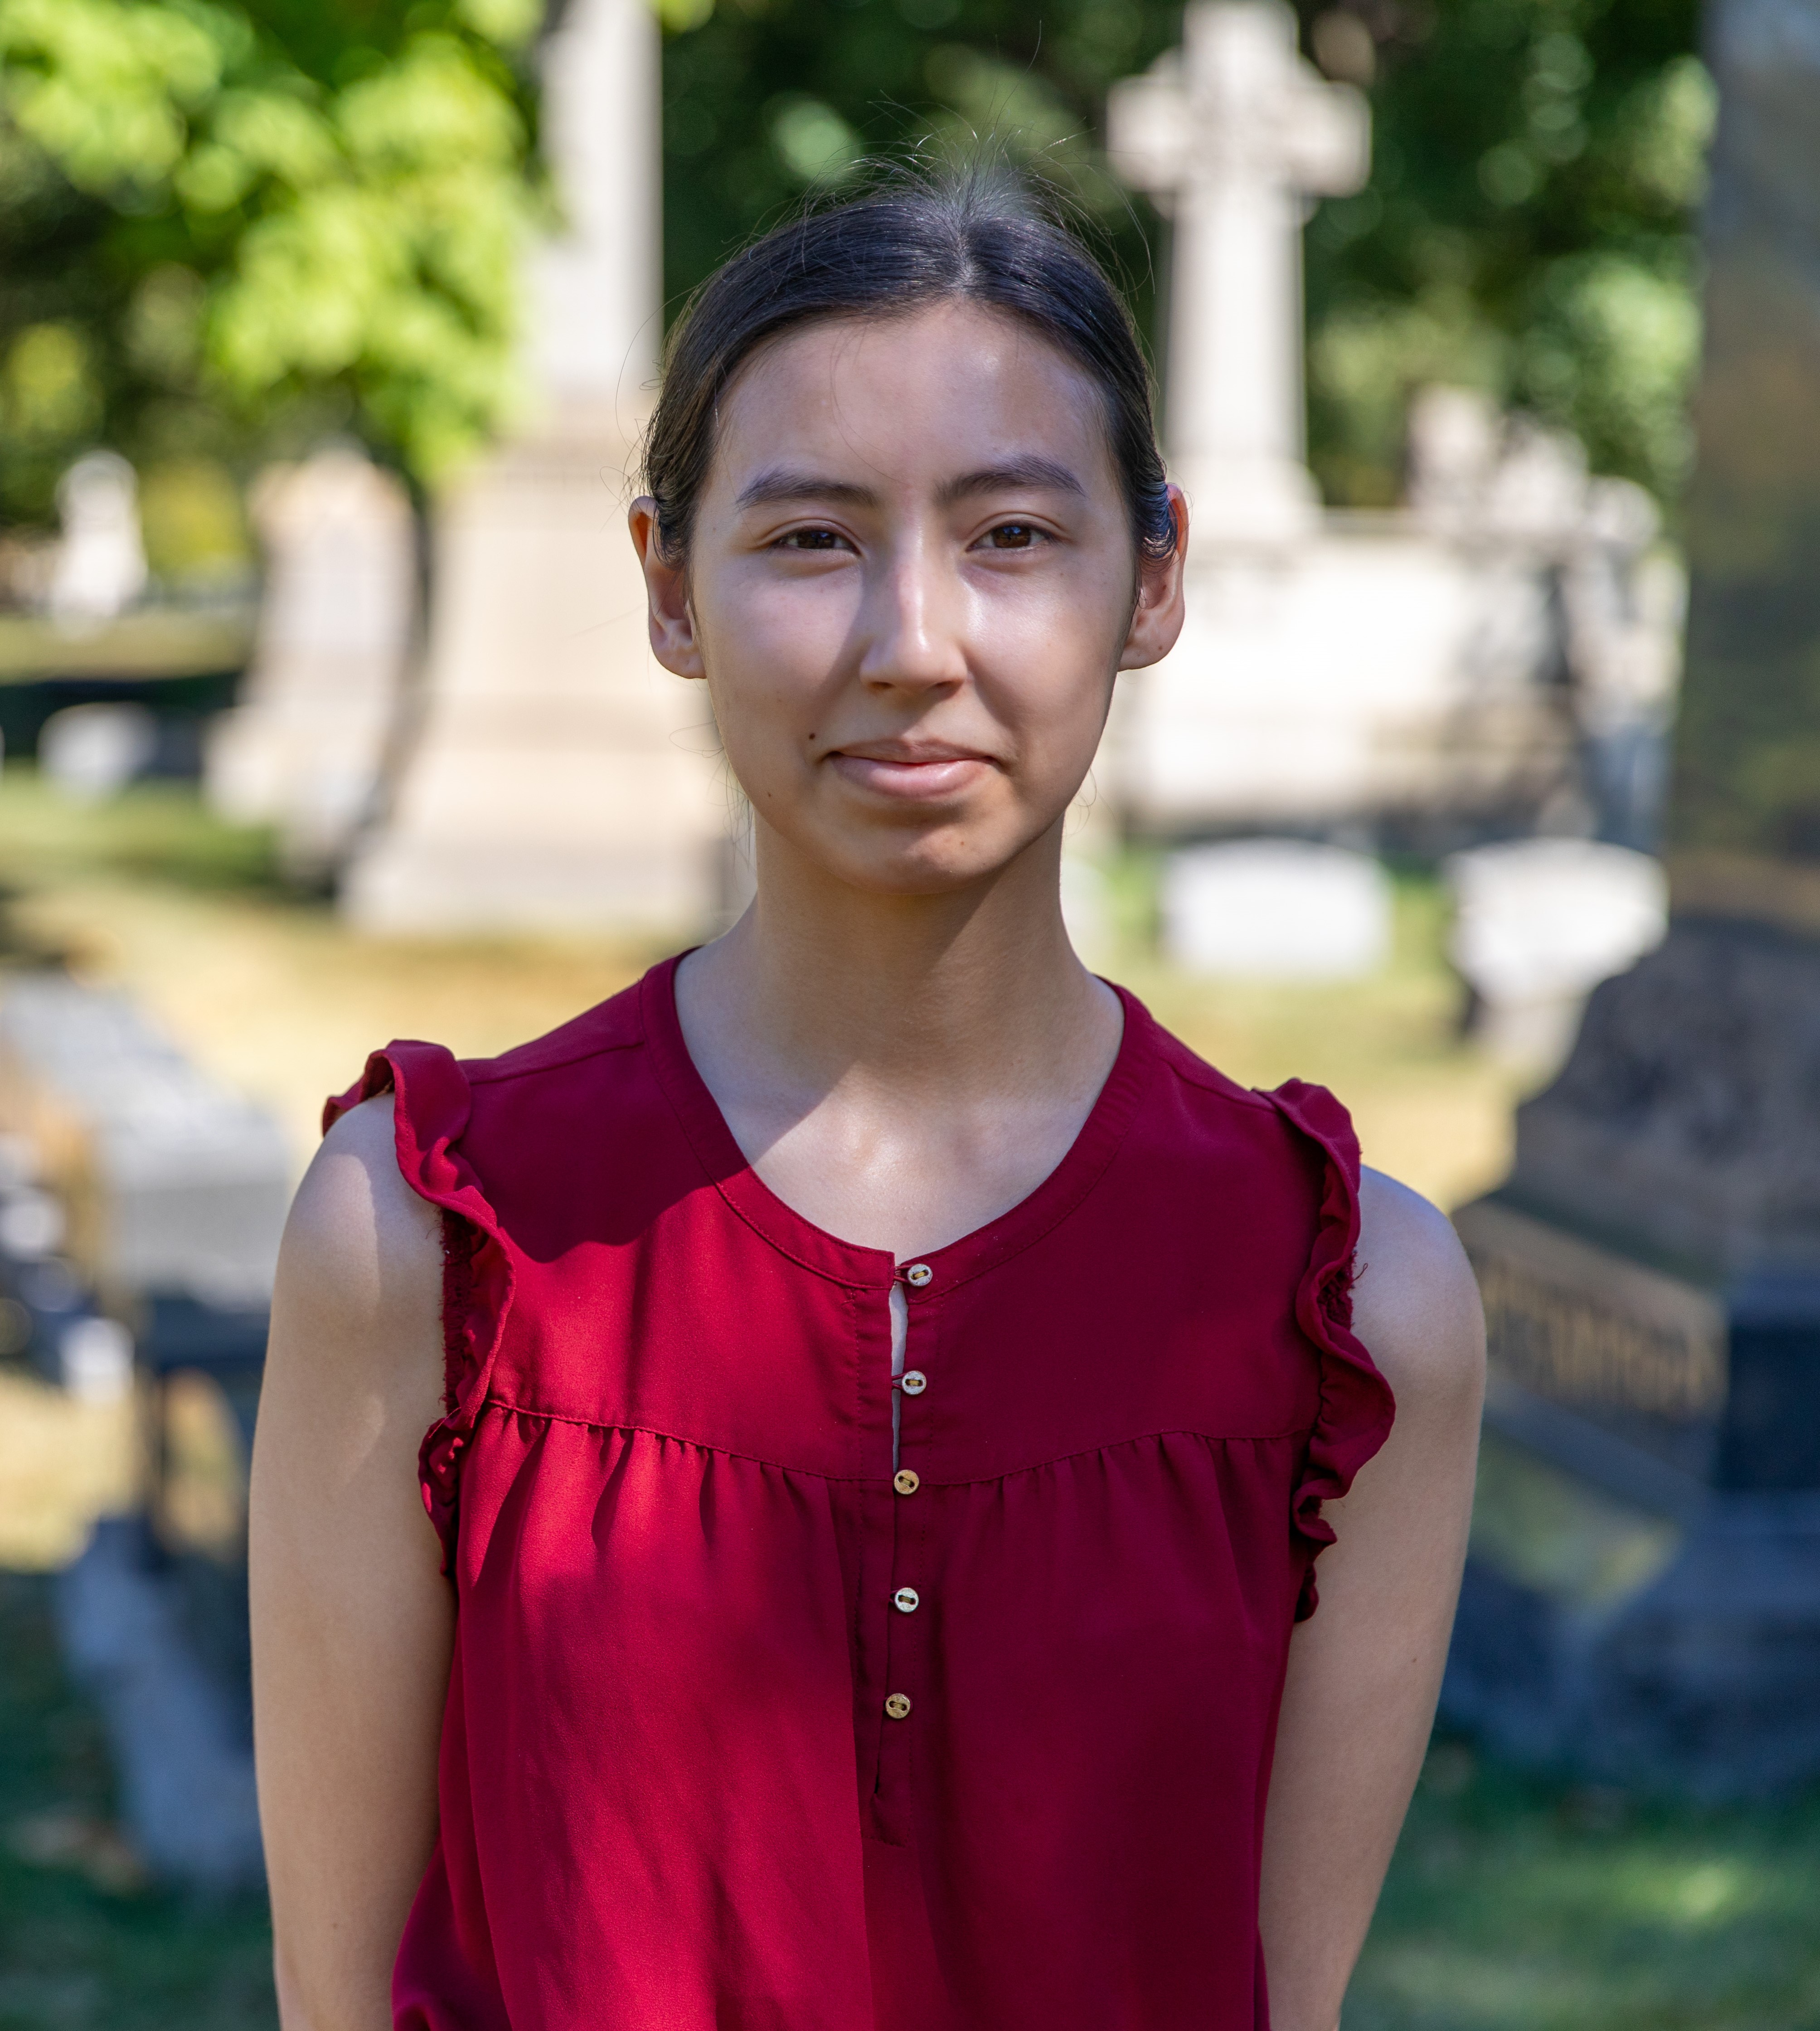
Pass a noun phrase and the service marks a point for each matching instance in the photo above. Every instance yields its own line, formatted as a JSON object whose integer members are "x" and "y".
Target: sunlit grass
{"x": 1521, "y": 1906}
{"x": 157, "y": 831}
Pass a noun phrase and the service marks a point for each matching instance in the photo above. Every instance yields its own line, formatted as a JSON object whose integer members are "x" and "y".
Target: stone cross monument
{"x": 1234, "y": 134}
{"x": 1651, "y": 1268}
{"x": 557, "y": 779}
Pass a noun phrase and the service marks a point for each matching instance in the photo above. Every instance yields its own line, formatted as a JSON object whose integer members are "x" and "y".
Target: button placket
{"x": 903, "y": 1643}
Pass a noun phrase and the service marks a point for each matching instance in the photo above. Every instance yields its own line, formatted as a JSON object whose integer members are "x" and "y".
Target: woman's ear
{"x": 673, "y": 640}
{"x": 1157, "y": 617}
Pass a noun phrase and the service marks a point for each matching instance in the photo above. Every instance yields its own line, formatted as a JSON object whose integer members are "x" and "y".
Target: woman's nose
{"x": 915, "y": 621}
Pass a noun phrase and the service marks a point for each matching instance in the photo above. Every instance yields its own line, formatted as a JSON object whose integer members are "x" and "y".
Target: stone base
{"x": 558, "y": 779}
{"x": 1702, "y": 1681}
{"x": 1375, "y": 672}
{"x": 1642, "y": 1604}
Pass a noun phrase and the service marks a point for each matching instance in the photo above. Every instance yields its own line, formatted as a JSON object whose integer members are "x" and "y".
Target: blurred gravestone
{"x": 140, "y": 1207}
{"x": 1276, "y": 909}
{"x": 169, "y": 1182}
{"x": 91, "y": 752}
{"x": 305, "y": 748}
{"x": 558, "y": 777}
{"x": 1538, "y": 924}
{"x": 99, "y": 566}
{"x": 1651, "y": 1268}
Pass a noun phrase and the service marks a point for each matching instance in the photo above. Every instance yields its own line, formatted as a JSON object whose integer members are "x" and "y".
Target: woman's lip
{"x": 930, "y": 776}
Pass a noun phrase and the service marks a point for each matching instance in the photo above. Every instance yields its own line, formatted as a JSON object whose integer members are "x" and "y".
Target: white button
{"x": 898, "y": 1706}
{"x": 907, "y": 1601}
{"x": 917, "y": 1275}
{"x": 915, "y": 1382}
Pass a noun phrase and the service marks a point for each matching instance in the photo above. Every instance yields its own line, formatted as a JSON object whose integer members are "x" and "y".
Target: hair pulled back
{"x": 914, "y": 242}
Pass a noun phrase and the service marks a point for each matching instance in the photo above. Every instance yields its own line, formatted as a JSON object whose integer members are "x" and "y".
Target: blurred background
{"x": 327, "y": 332}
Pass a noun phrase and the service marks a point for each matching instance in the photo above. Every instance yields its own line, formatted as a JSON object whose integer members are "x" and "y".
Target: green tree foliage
{"x": 1527, "y": 229}
{"x": 227, "y": 226}
{"x": 764, "y": 99}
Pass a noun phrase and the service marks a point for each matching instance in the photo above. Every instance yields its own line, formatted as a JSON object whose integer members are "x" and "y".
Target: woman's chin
{"x": 944, "y": 855}
{"x": 931, "y": 870}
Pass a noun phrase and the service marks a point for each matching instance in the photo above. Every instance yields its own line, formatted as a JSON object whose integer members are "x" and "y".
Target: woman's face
{"x": 911, "y": 582}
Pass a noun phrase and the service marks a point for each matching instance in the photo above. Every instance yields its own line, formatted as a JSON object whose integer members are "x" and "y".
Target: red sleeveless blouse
{"x": 745, "y": 1732}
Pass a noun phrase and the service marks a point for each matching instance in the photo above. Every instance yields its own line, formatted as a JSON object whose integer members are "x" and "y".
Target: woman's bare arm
{"x": 1365, "y": 1672}
{"x": 352, "y": 1621}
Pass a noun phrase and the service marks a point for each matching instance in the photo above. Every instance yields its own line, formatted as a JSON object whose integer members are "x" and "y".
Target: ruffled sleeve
{"x": 1356, "y": 1407}
{"x": 429, "y": 1113}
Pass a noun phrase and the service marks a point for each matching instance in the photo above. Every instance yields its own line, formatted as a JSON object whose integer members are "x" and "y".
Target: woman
{"x": 894, "y": 1392}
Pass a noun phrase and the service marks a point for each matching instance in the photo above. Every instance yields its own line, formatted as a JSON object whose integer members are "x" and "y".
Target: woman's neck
{"x": 964, "y": 993}
{"x": 900, "y": 1069}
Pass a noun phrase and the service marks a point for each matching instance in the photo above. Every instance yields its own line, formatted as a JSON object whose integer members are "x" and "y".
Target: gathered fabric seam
{"x": 1300, "y": 1432}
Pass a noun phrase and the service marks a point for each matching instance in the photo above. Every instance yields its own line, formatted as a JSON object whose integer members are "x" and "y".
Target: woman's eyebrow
{"x": 780, "y": 486}
{"x": 1016, "y": 473}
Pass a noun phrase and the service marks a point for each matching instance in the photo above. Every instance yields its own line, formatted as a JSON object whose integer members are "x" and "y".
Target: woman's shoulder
{"x": 1415, "y": 1300}
{"x": 360, "y": 1272}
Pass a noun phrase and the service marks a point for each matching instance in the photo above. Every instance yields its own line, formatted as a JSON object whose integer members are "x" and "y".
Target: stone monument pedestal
{"x": 558, "y": 778}
{"x": 1643, "y": 1599}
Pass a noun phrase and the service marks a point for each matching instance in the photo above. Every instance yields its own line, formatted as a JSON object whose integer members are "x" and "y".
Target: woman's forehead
{"x": 950, "y": 377}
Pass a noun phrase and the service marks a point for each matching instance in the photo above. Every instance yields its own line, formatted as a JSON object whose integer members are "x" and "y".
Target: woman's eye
{"x": 810, "y": 539}
{"x": 1013, "y": 536}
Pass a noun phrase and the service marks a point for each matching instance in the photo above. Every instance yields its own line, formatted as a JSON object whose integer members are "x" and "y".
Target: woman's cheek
{"x": 783, "y": 636}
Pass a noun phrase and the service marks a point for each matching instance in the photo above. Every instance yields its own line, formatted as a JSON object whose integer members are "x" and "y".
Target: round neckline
{"x": 794, "y": 1235}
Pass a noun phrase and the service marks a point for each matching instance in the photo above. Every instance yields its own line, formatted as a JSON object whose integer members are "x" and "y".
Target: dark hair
{"x": 917, "y": 240}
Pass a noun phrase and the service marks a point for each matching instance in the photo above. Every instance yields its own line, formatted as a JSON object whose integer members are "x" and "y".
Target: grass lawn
{"x": 83, "y": 1947}
{"x": 1520, "y": 1905}
{"x": 1513, "y": 1906}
